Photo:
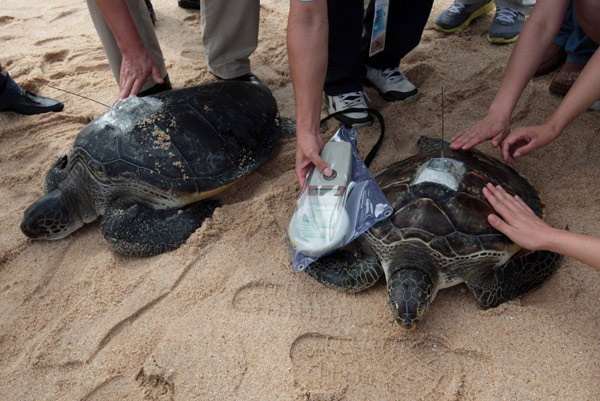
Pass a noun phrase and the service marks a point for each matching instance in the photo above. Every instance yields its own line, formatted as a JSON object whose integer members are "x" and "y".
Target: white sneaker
{"x": 392, "y": 84}
{"x": 345, "y": 101}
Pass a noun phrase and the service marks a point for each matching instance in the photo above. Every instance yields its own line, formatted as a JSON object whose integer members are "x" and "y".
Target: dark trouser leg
{"x": 406, "y": 21}
{"x": 345, "y": 68}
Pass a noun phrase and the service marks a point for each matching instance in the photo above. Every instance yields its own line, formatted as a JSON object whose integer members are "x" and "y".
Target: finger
{"x": 524, "y": 206}
{"x": 125, "y": 89}
{"x": 500, "y": 225}
{"x": 498, "y": 202}
{"x": 472, "y": 141}
{"x": 321, "y": 165}
{"x": 156, "y": 75}
{"x": 524, "y": 150}
{"x": 458, "y": 140}
{"x": 506, "y": 151}
{"x": 301, "y": 177}
{"x": 137, "y": 86}
{"x": 497, "y": 140}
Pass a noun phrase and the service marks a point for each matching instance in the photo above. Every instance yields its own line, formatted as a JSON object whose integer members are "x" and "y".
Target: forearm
{"x": 307, "y": 38}
{"x": 117, "y": 16}
{"x": 536, "y": 36}
{"x": 584, "y": 248}
{"x": 584, "y": 92}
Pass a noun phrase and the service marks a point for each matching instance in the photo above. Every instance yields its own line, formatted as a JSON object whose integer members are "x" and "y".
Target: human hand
{"x": 136, "y": 67}
{"x": 518, "y": 221}
{"x": 524, "y": 140}
{"x": 308, "y": 148}
{"x": 491, "y": 127}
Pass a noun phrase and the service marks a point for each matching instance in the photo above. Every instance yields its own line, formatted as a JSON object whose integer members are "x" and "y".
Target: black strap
{"x": 374, "y": 112}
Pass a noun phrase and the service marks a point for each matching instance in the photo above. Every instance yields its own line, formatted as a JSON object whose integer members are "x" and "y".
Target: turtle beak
{"x": 407, "y": 324}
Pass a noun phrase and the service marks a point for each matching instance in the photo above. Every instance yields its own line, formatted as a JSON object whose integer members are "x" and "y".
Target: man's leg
{"x": 140, "y": 15}
{"x": 406, "y": 21}
{"x": 345, "y": 68}
{"x": 229, "y": 35}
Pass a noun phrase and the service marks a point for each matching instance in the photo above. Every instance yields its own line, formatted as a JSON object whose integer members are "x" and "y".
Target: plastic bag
{"x": 333, "y": 211}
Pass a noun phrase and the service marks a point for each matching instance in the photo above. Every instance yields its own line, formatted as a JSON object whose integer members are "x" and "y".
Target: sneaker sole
{"x": 410, "y": 97}
{"x": 366, "y": 122}
{"x": 502, "y": 41}
{"x": 486, "y": 8}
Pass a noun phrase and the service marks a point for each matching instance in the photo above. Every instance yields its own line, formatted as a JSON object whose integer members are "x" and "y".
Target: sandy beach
{"x": 224, "y": 317}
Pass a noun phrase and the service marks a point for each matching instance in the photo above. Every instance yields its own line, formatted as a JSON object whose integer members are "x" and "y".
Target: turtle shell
{"x": 451, "y": 221}
{"x": 189, "y": 143}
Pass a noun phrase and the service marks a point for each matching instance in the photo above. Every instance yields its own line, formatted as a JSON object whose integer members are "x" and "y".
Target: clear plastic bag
{"x": 333, "y": 211}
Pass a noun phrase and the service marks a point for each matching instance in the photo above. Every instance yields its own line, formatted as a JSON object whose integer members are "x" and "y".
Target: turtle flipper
{"x": 518, "y": 276}
{"x": 346, "y": 271}
{"x": 141, "y": 231}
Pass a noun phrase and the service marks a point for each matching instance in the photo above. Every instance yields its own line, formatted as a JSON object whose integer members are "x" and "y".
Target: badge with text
{"x": 379, "y": 26}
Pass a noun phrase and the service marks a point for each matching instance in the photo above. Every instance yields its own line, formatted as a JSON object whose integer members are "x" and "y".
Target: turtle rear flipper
{"x": 346, "y": 271}
{"x": 141, "y": 231}
{"x": 518, "y": 276}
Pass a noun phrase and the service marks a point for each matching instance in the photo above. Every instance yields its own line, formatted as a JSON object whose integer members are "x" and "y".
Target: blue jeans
{"x": 577, "y": 44}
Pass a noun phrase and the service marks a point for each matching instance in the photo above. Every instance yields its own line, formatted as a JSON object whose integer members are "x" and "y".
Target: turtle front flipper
{"x": 346, "y": 271}
{"x": 141, "y": 231}
{"x": 518, "y": 276}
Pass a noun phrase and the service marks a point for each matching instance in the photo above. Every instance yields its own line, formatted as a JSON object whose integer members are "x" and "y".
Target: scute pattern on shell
{"x": 451, "y": 223}
{"x": 203, "y": 138}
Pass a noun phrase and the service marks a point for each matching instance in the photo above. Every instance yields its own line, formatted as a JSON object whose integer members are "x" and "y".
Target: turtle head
{"x": 410, "y": 292}
{"x": 56, "y": 174}
{"x": 50, "y": 218}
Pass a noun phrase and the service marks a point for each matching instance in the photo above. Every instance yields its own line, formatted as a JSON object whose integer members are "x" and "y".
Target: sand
{"x": 224, "y": 317}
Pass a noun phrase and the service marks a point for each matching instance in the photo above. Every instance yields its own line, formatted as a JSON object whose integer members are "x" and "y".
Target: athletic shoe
{"x": 345, "y": 101}
{"x": 506, "y": 25}
{"x": 458, "y": 16}
{"x": 392, "y": 84}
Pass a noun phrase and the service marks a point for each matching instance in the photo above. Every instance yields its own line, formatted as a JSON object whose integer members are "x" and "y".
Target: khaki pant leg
{"x": 229, "y": 35}
{"x": 141, "y": 16}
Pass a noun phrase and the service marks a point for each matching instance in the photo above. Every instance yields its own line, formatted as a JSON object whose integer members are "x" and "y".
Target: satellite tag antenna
{"x": 442, "y": 125}
{"x": 77, "y": 94}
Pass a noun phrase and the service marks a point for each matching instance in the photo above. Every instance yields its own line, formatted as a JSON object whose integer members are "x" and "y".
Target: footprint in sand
{"x": 405, "y": 368}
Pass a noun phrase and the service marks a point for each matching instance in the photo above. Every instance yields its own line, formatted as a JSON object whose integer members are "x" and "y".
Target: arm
{"x": 584, "y": 92}
{"x": 537, "y": 34}
{"x": 307, "y": 38}
{"x": 524, "y": 228}
{"x": 137, "y": 64}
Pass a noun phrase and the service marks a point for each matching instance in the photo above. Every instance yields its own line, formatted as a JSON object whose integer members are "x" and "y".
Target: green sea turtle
{"x": 146, "y": 165}
{"x": 439, "y": 236}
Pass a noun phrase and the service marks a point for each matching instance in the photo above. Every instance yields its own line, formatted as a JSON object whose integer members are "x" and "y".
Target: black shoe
{"x": 30, "y": 103}
{"x": 151, "y": 11}
{"x": 165, "y": 86}
{"x": 189, "y": 4}
{"x": 250, "y": 77}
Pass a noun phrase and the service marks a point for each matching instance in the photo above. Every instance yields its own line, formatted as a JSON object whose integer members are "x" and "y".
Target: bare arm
{"x": 523, "y": 227}
{"x": 137, "y": 64}
{"x": 537, "y": 34}
{"x": 307, "y": 38}
{"x": 584, "y": 92}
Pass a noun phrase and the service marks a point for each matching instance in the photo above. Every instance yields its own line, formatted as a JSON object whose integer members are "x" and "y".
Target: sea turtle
{"x": 145, "y": 165}
{"x": 439, "y": 236}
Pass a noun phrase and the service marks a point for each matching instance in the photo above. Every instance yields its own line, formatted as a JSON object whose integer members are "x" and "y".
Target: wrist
{"x": 554, "y": 238}
{"x": 500, "y": 110}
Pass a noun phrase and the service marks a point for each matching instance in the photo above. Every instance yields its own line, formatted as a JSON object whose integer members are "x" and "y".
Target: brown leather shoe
{"x": 565, "y": 78}
{"x": 555, "y": 55}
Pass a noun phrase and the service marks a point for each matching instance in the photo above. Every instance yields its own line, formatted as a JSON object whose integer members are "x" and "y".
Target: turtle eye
{"x": 62, "y": 162}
